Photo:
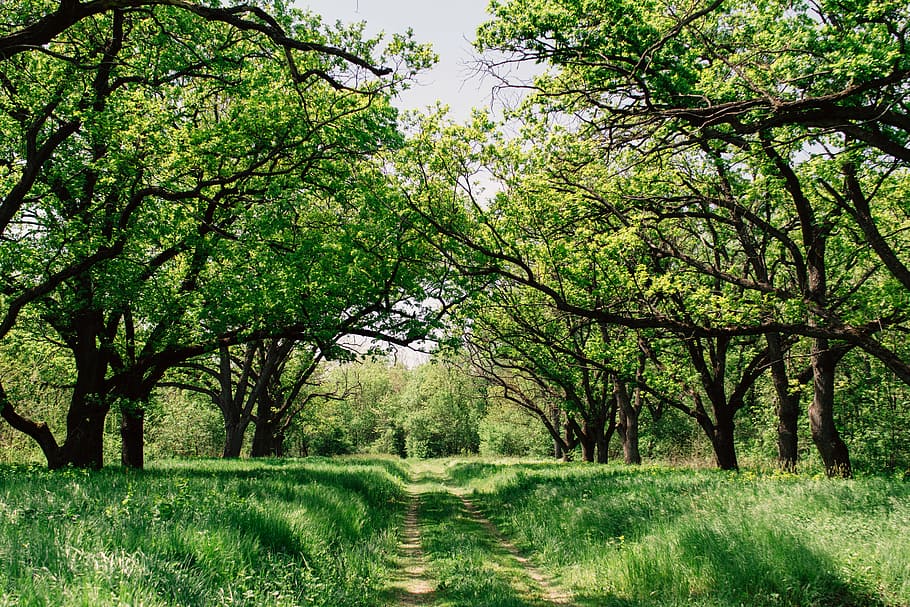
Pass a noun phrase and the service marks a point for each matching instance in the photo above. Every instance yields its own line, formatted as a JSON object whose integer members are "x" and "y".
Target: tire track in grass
{"x": 414, "y": 588}
{"x": 548, "y": 591}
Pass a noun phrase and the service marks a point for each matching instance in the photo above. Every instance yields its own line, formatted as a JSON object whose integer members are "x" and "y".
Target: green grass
{"x": 325, "y": 532}
{"x": 273, "y": 533}
{"x": 471, "y": 570}
{"x": 618, "y": 537}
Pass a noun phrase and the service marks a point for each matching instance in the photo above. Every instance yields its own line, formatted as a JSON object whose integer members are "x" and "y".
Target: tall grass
{"x": 202, "y": 533}
{"x": 653, "y": 536}
{"x": 470, "y": 569}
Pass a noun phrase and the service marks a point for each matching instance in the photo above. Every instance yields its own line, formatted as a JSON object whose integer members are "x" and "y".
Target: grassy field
{"x": 659, "y": 537}
{"x": 326, "y": 532}
{"x": 201, "y": 533}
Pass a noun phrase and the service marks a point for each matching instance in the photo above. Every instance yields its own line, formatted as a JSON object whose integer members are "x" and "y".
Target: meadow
{"x": 326, "y": 532}
{"x": 206, "y": 533}
{"x": 654, "y": 536}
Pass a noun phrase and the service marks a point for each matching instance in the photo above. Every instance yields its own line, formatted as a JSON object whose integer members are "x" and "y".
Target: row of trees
{"x": 693, "y": 206}
{"x": 188, "y": 195}
{"x": 699, "y": 197}
{"x": 447, "y": 408}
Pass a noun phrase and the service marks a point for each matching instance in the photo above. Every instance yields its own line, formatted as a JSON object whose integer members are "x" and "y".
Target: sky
{"x": 448, "y": 25}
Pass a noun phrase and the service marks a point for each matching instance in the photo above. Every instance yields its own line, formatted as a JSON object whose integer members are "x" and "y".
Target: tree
{"x": 126, "y": 184}
{"x": 717, "y": 87}
{"x": 537, "y": 356}
{"x": 441, "y": 406}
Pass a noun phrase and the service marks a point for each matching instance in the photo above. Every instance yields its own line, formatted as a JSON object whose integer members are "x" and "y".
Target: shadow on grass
{"x": 274, "y": 478}
{"x": 603, "y": 503}
{"x": 760, "y": 565}
{"x": 751, "y": 567}
{"x": 664, "y": 554}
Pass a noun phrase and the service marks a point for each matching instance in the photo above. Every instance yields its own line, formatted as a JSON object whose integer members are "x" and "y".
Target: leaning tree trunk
{"x": 831, "y": 447}
{"x": 38, "y": 431}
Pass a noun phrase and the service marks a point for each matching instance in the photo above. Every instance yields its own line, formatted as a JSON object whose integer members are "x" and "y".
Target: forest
{"x": 687, "y": 246}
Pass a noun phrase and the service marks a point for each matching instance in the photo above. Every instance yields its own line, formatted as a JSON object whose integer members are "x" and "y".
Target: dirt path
{"x": 548, "y": 591}
{"x": 413, "y": 587}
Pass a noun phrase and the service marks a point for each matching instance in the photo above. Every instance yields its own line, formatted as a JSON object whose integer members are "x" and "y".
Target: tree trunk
{"x": 557, "y": 443}
{"x": 587, "y": 449}
{"x": 721, "y": 435}
{"x": 262, "y": 441}
{"x": 132, "y": 432}
{"x": 601, "y": 444}
{"x": 278, "y": 444}
{"x": 628, "y": 425}
{"x": 787, "y": 432}
{"x": 724, "y": 445}
{"x": 267, "y": 443}
{"x": 571, "y": 441}
{"x": 588, "y": 442}
{"x": 84, "y": 446}
{"x": 233, "y": 439}
{"x": 38, "y": 431}
{"x": 89, "y": 406}
{"x": 831, "y": 447}
{"x": 267, "y": 440}
{"x": 787, "y": 407}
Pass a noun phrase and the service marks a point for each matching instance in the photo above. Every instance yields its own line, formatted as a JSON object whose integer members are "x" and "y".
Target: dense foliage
{"x": 689, "y": 239}
{"x": 719, "y": 188}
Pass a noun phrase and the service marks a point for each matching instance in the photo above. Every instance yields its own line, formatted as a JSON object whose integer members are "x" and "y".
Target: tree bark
{"x": 38, "y": 431}
{"x": 628, "y": 424}
{"x": 267, "y": 439}
{"x": 233, "y": 439}
{"x": 587, "y": 449}
{"x": 571, "y": 441}
{"x": 831, "y": 447}
{"x": 588, "y": 442}
{"x": 132, "y": 433}
{"x": 84, "y": 446}
{"x": 557, "y": 442}
{"x": 787, "y": 406}
{"x": 601, "y": 444}
{"x": 724, "y": 444}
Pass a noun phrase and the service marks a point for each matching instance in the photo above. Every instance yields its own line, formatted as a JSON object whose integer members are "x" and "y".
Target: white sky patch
{"x": 448, "y": 26}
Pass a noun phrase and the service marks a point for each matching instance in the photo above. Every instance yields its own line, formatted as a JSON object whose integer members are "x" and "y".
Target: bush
{"x": 505, "y": 430}
{"x": 331, "y": 440}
